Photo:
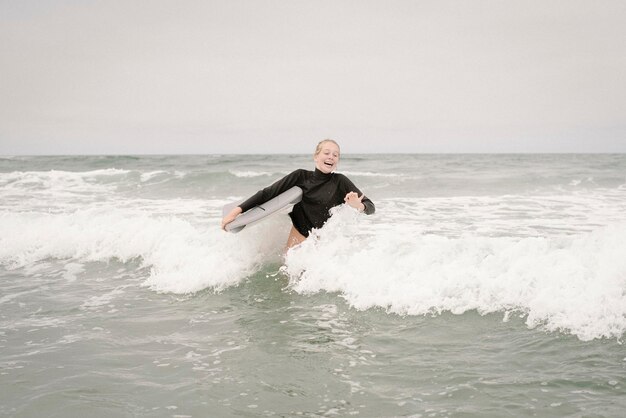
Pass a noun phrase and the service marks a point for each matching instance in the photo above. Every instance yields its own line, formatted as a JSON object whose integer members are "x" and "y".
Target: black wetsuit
{"x": 320, "y": 192}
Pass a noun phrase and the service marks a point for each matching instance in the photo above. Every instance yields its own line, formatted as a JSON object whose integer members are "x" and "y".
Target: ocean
{"x": 483, "y": 286}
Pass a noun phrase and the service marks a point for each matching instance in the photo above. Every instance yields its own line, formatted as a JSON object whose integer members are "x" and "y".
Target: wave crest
{"x": 576, "y": 283}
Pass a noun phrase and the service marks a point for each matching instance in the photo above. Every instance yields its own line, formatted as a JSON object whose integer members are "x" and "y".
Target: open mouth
{"x": 327, "y": 164}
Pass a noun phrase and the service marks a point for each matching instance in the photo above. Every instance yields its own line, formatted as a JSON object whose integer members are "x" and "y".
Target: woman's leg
{"x": 295, "y": 238}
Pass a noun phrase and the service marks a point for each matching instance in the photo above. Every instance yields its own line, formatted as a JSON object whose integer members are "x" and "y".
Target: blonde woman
{"x": 322, "y": 189}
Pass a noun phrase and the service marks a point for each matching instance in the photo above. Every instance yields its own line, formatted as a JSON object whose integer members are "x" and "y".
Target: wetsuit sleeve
{"x": 348, "y": 186}
{"x": 271, "y": 191}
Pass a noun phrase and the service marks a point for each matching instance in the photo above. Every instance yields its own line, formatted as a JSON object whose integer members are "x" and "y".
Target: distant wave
{"x": 59, "y": 180}
{"x": 151, "y": 174}
{"x": 348, "y": 173}
{"x": 370, "y": 174}
{"x": 16, "y": 175}
{"x": 249, "y": 173}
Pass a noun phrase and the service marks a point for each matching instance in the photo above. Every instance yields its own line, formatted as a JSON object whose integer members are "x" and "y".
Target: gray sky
{"x": 254, "y": 76}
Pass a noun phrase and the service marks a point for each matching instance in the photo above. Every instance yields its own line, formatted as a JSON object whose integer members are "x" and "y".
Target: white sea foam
{"x": 369, "y": 174}
{"x": 508, "y": 215}
{"x": 57, "y": 175}
{"x": 164, "y": 175}
{"x": 58, "y": 181}
{"x": 72, "y": 270}
{"x": 151, "y": 174}
{"x": 103, "y": 300}
{"x": 183, "y": 257}
{"x": 246, "y": 174}
{"x": 573, "y": 283}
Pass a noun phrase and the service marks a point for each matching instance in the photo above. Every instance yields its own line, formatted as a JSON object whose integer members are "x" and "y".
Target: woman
{"x": 322, "y": 189}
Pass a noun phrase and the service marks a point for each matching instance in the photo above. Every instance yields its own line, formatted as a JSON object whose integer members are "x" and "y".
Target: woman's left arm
{"x": 356, "y": 198}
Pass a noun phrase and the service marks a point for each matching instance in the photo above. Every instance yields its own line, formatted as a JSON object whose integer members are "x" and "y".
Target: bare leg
{"x": 295, "y": 238}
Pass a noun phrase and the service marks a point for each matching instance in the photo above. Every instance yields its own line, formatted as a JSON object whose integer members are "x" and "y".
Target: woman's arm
{"x": 263, "y": 196}
{"x": 230, "y": 216}
{"x": 355, "y": 198}
{"x": 271, "y": 191}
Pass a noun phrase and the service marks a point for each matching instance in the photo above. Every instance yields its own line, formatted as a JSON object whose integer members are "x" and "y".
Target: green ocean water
{"x": 484, "y": 286}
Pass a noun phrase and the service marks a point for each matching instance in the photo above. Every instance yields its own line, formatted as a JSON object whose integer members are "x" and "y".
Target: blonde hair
{"x": 318, "y": 149}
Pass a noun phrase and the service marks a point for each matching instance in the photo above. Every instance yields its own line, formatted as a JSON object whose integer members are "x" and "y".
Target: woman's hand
{"x": 354, "y": 200}
{"x": 230, "y": 216}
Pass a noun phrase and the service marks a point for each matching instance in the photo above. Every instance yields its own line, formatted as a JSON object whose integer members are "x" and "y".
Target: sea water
{"x": 483, "y": 286}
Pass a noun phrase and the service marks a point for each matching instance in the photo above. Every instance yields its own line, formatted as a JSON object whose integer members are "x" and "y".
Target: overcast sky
{"x": 257, "y": 76}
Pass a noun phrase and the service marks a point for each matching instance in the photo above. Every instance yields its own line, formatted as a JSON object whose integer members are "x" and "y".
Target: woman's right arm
{"x": 272, "y": 191}
{"x": 263, "y": 196}
{"x": 230, "y": 216}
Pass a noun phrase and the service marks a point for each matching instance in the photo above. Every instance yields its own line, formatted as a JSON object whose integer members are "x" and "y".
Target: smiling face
{"x": 326, "y": 156}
